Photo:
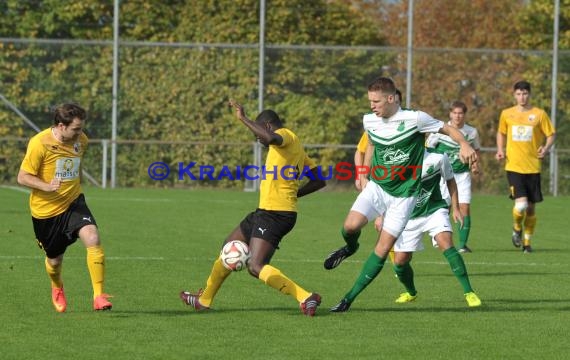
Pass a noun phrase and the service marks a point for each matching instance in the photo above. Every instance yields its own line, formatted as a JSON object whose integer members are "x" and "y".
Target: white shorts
{"x": 463, "y": 181}
{"x": 411, "y": 239}
{"x": 373, "y": 201}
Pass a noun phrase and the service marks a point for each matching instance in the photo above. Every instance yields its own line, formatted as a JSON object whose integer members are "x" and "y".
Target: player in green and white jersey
{"x": 430, "y": 215}
{"x": 395, "y": 152}
{"x": 444, "y": 144}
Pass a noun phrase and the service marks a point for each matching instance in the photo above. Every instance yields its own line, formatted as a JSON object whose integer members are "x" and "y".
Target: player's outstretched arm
{"x": 315, "y": 183}
{"x": 467, "y": 154}
{"x": 260, "y": 130}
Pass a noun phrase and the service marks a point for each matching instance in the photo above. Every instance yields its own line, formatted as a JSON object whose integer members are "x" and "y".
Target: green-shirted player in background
{"x": 462, "y": 173}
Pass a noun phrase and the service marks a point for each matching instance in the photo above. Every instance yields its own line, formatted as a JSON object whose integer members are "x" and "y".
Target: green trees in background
{"x": 199, "y": 54}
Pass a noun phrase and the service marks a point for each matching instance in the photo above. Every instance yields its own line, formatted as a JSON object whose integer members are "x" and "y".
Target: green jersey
{"x": 399, "y": 149}
{"x": 435, "y": 168}
{"x": 445, "y": 145}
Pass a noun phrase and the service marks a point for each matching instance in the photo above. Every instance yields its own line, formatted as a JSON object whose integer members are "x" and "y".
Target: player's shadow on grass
{"x": 536, "y": 250}
{"x": 530, "y": 301}
{"x": 212, "y": 312}
{"x": 489, "y": 306}
{"x": 495, "y": 274}
{"x": 516, "y": 273}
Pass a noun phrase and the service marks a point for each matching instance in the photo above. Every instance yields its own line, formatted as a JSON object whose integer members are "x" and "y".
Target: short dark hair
{"x": 269, "y": 117}
{"x": 384, "y": 85}
{"x": 522, "y": 85}
{"x": 399, "y": 95}
{"x": 65, "y": 113}
{"x": 458, "y": 104}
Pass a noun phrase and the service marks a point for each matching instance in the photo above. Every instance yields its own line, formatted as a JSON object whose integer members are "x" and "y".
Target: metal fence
{"x": 483, "y": 78}
{"x": 167, "y": 167}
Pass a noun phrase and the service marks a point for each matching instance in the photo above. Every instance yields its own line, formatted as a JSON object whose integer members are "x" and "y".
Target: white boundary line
{"x": 15, "y": 188}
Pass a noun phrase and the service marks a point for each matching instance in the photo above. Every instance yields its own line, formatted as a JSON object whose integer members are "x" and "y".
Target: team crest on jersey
{"x": 531, "y": 118}
{"x": 77, "y": 147}
{"x": 430, "y": 169}
{"x": 401, "y": 127}
{"x": 423, "y": 198}
{"x": 68, "y": 165}
{"x": 395, "y": 156}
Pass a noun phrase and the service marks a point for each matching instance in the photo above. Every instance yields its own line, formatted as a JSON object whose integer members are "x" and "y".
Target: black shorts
{"x": 268, "y": 225}
{"x": 525, "y": 185}
{"x": 55, "y": 234}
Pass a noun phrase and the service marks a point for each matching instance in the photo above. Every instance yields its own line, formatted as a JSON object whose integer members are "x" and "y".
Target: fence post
{"x": 105, "y": 144}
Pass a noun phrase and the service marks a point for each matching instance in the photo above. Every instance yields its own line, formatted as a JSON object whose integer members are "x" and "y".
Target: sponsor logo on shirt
{"x": 395, "y": 156}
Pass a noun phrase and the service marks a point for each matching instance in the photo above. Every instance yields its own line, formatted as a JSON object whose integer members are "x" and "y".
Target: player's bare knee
{"x": 353, "y": 224}
{"x": 399, "y": 262}
{"x": 90, "y": 239}
{"x": 89, "y": 235}
{"x": 56, "y": 261}
{"x": 402, "y": 258}
{"x": 444, "y": 240}
{"x": 521, "y": 205}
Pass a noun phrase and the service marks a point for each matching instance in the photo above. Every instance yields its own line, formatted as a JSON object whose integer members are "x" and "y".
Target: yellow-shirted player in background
{"x": 264, "y": 228}
{"x": 52, "y": 169}
{"x": 528, "y": 134}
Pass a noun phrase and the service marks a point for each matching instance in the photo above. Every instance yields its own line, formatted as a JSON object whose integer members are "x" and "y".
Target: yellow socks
{"x": 517, "y": 219}
{"x": 529, "y": 225}
{"x": 277, "y": 280}
{"x": 96, "y": 266}
{"x": 392, "y": 254}
{"x": 54, "y": 273}
{"x": 217, "y": 276}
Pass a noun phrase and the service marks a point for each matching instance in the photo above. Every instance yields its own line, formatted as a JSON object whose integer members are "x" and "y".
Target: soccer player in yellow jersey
{"x": 264, "y": 228}
{"x": 528, "y": 134}
{"x": 51, "y": 168}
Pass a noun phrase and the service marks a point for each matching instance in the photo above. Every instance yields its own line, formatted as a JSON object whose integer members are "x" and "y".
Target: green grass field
{"x": 159, "y": 242}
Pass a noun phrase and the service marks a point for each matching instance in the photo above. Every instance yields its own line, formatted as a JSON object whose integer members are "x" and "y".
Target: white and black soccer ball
{"x": 235, "y": 255}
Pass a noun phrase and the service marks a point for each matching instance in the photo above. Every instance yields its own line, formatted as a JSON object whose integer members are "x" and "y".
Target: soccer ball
{"x": 235, "y": 255}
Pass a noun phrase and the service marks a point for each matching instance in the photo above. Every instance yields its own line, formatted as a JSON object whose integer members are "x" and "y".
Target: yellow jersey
{"x": 525, "y": 132}
{"x": 283, "y": 167}
{"x": 47, "y": 158}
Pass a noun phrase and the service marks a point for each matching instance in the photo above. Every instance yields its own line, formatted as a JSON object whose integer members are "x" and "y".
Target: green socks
{"x": 464, "y": 231}
{"x": 405, "y": 274}
{"x": 370, "y": 270}
{"x": 351, "y": 239}
{"x": 458, "y": 268}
